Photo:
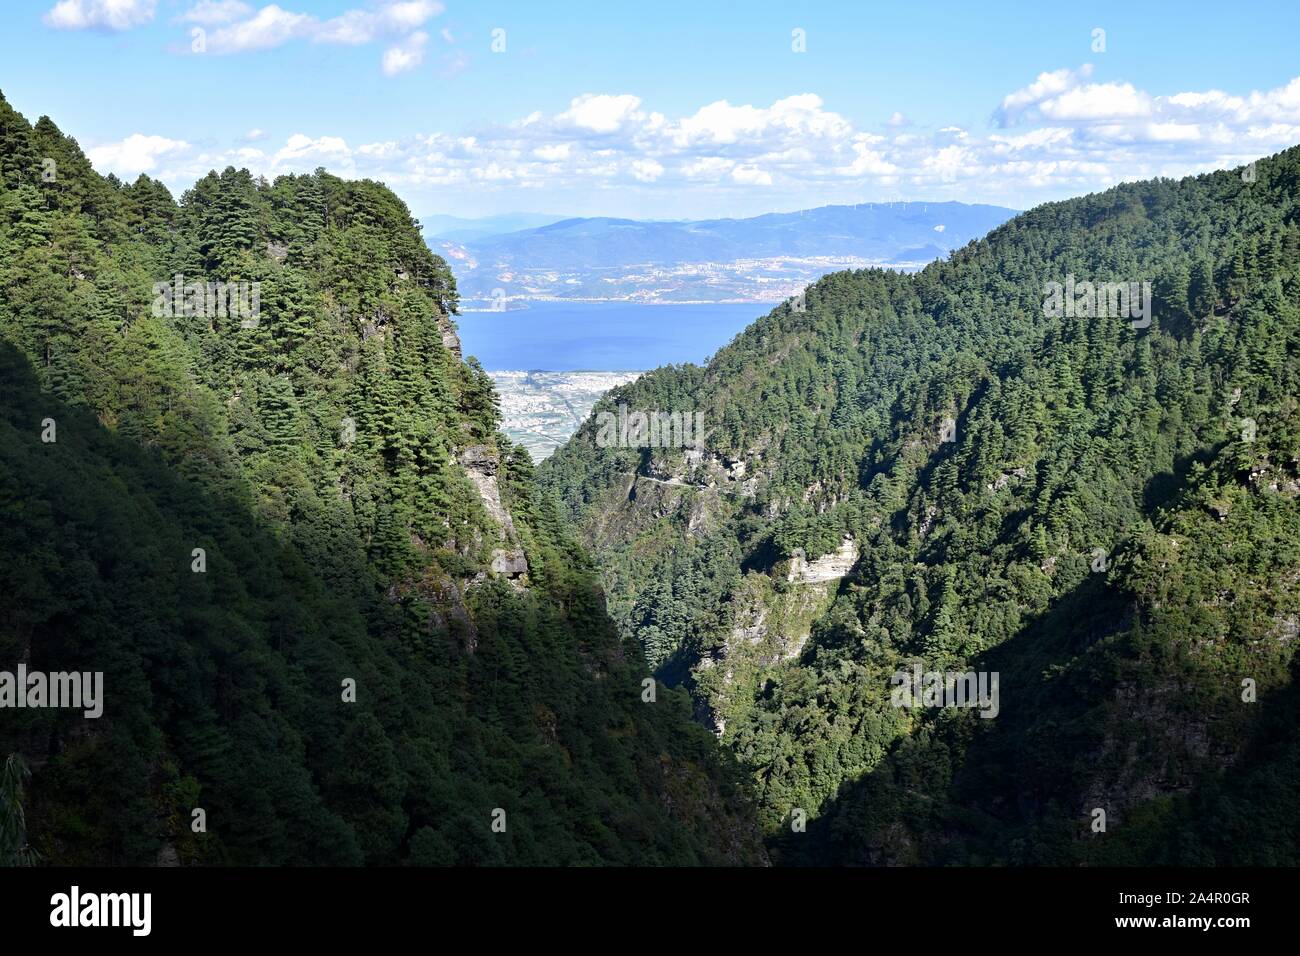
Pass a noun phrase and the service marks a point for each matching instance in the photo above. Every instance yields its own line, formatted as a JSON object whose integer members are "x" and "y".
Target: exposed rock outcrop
{"x": 449, "y": 337}
{"x": 481, "y": 465}
{"x": 769, "y": 627}
{"x": 829, "y": 567}
{"x": 512, "y": 564}
{"x": 1006, "y": 478}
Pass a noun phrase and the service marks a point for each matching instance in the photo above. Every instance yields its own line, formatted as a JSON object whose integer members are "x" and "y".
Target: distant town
{"x": 540, "y": 410}
{"x": 763, "y": 280}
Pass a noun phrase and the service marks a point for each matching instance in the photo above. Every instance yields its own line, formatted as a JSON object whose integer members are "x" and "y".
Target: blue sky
{"x": 676, "y": 109}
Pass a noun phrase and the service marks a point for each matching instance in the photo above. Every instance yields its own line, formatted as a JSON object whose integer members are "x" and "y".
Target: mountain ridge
{"x": 335, "y": 623}
{"x": 1093, "y": 506}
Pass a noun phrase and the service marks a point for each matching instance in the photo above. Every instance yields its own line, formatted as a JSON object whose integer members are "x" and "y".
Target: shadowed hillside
{"x": 330, "y": 610}
{"x": 946, "y": 470}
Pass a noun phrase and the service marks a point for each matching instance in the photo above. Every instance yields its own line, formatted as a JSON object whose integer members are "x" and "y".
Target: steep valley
{"x": 342, "y": 613}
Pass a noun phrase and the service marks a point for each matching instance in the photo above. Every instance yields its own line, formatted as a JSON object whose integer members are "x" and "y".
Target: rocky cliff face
{"x": 673, "y": 500}
{"x": 447, "y": 331}
{"x": 481, "y": 464}
{"x": 830, "y": 567}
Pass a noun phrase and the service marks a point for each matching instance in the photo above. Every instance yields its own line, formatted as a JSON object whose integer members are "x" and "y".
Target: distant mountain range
{"x": 761, "y": 259}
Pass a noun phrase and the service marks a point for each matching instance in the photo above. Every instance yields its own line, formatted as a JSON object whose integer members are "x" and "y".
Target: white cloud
{"x": 867, "y": 161}
{"x": 352, "y": 27}
{"x": 493, "y": 171}
{"x": 134, "y": 155}
{"x": 99, "y": 14}
{"x": 600, "y": 114}
{"x": 385, "y": 150}
{"x": 799, "y": 117}
{"x": 396, "y": 23}
{"x": 709, "y": 168}
{"x": 1044, "y": 87}
{"x": 1173, "y": 132}
{"x": 1097, "y": 101}
{"x": 751, "y": 176}
{"x": 646, "y": 170}
{"x": 1072, "y": 135}
{"x": 1035, "y": 139}
{"x": 406, "y": 55}
{"x": 300, "y": 146}
{"x": 950, "y": 162}
{"x": 409, "y": 14}
{"x": 721, "y": 122}
{"x": 214, "y": 12}
{"x": 270, "y": 27}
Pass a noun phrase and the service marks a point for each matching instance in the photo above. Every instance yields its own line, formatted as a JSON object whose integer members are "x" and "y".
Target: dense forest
{"x": 245, "y": 474}
{"x": 938, "y": 471}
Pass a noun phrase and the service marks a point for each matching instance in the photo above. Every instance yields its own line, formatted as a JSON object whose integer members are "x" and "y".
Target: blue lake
{"x": 601, "y": 336}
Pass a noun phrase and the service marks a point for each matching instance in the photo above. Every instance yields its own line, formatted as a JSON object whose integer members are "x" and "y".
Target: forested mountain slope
{"x": 941, "y": 471}
{"x": 330, "y": 609}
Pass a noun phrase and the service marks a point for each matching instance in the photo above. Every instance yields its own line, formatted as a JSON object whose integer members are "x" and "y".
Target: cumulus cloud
{"x": 397, "y": 23}
{"x": 1045, "y": 86}
{"x": 99, "y": 14}
{"x": 301, "y": 148}
{"x": 867, "y": 160}
{"x": 798, "y": 117}
{"x": 355, "y": 27}
{"x": 269, "y": 27}
{"x": 1097, "y": 101}
{"x": 1099, "y": 133}
{"x": 134, "y": 155}
{"x": 601, "y": 114}
{"x": 1062, "y": 134}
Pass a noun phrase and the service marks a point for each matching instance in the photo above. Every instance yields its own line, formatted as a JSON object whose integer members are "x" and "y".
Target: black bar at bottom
{"x": 236, "y": 905}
